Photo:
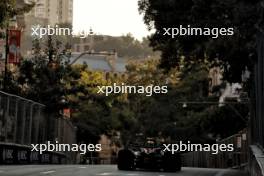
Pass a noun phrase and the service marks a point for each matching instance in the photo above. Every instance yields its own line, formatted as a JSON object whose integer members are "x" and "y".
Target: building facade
{"x": 55, "y": 11}
{"x": 45, "y": 12}
{"x": 65, "y": 11}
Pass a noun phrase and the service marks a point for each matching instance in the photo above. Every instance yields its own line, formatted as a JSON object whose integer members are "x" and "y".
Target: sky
{"x": 109, "y": 17}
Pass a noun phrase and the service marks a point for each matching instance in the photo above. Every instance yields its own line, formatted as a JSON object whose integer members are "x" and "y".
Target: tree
{"x": 126, "y": 46}
{"x": 216, "y": 120}
{"x": 45, "y": 76}
{"x": 8, "y": 10}
{"x": 236, "y": 52}
{"x": 164, "y": 116}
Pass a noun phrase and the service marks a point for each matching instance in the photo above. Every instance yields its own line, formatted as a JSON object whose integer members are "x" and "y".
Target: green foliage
{"x": 216, "y": 120}
{"x": 236, "y": 52}
{"x": 90, "y": 122}
{"x": 126, "y": 46}
{"x": 8, "y": 10}
{"x": 157, "y": 116}
{"x": 164, "y": 116}
{"x": 161, "y": 116}
{"x": 47, "y": 78}
{"x": 43, "y": 77}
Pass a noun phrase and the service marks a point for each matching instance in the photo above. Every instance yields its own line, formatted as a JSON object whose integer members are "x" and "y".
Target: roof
{"x": 97, "y": 62}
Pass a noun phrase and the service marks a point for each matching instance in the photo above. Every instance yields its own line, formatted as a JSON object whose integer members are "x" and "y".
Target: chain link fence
{"x": 24, "y": 122}
{"x": 257, "y": 120}
{"x": 256, "y": 162}
{"x": 238, "y": 158}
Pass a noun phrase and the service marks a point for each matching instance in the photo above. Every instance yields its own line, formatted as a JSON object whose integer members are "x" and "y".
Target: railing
{"x": 235, "y": 159}
{"x": 21, "y": 121}
{"x": 256, "y": 165}
{"x": 257, "y": 113}
{"x": 24, "y": 122}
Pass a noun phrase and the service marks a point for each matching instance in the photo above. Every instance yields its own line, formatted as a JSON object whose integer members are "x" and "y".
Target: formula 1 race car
{"x": 148, "y": 156}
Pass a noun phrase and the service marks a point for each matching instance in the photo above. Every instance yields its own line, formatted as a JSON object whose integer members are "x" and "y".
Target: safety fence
{"x": 235, "y": 159}
{"x": 256, "y": 164}
{"x": 24, "y": 122}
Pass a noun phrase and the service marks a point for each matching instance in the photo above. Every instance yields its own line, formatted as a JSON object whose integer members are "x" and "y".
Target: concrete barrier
{"x": 22, "y": 154}
{"x": 256, "y": 165}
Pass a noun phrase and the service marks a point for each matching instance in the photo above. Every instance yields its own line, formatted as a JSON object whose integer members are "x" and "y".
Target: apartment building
{"x": 45, "y": 12}
{"x": 65, "y": 11}
{"x": 55, "y": 11}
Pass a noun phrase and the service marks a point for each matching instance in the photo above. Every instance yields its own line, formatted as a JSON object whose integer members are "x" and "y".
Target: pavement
{"x": 105, "y": 170}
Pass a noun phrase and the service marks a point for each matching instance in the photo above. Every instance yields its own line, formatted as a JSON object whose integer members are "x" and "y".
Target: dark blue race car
{"x": 148, "y": 156}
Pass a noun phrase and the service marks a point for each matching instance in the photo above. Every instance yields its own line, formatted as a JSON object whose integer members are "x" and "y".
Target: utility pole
{"x": 6, "y": 55}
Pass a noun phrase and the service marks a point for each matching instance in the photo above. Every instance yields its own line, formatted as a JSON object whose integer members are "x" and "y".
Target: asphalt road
{"x": 104, "y": 170}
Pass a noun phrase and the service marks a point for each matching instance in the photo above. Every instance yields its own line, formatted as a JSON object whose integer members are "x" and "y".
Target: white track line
{"x": 82, "y": 167}
{"x": 47, "y": 172}
{"x": 105, "y": 173}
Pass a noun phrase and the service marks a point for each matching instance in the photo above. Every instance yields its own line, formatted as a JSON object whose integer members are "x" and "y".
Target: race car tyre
{"x": 125, "y": 160}
{"x": 171, "y": 162}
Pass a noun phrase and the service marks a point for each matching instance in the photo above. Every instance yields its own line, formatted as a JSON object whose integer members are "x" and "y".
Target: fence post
{"x": 37, "y": 121}
{"x": 5, "y": 119}
{"x": 30, "y": 124}
{"x": 15, "y": 122}
{"x": 23, "y": 123}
